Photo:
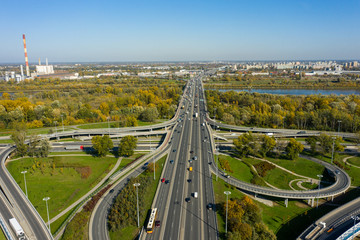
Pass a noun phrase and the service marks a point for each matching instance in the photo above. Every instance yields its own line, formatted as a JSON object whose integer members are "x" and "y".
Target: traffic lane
{"x": 164, "y": 191}
{"x": 35, "y": 223}
{"x": 172, "y": 231}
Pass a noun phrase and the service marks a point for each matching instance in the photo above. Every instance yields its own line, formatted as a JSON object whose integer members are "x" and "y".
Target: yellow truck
{"x": 190, "y": 169}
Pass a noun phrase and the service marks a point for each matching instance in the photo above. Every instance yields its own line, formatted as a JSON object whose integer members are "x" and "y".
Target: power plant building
{"x": 44, "y": 69}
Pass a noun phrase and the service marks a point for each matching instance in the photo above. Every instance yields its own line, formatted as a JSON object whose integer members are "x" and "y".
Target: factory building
{"x": 44, "y": 69}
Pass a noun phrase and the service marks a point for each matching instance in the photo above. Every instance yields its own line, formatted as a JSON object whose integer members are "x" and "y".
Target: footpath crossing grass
{"x": 355, "y": 161}
{"x": 62, "y": 178}
{"x": 300, "y": 166}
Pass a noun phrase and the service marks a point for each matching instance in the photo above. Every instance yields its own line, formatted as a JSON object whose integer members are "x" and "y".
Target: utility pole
{"x": 339, "y": 121}
{"x": 62, "y": 122}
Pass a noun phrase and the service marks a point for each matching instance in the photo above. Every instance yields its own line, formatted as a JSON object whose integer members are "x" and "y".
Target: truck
{"x": 182, "y": 107}
{"x": 196, "y": 115}
{"x": 19, "y": 232}
{"x": 190, "y": 169}
{"x": 74, "y": 147}
{"x": 195, "y": 195}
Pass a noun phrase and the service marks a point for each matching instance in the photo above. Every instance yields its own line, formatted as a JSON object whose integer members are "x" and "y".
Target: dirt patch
{"x": 84, "y": 171}
{"x": 301, "y": 205}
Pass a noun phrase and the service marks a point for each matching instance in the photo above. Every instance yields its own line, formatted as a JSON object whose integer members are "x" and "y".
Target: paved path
{"x": 88, "y": 193}
{"x": 345, "y": 161}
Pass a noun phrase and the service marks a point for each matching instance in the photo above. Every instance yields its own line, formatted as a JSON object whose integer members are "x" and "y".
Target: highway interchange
{"x": 180, "y": 219}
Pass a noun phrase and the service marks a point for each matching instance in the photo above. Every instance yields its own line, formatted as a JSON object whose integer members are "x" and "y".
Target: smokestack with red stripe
{"x": 26, "y": 58}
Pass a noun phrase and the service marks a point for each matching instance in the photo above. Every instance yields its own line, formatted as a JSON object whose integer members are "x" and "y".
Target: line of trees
{"x": 102, "y": 145}
{"x": 328, "y": 113}
{"x": 36, "y": 146}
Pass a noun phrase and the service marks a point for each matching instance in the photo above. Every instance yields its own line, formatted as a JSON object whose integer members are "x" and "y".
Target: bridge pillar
{"x": 332, "y": 198}
{"x": 312, "y": 202}
{"x": 255, "y": 195}
{"x": 309, "y": 201}
{"x": 286, "y": 202}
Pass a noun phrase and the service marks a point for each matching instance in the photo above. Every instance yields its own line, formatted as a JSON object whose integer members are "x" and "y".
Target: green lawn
{"x": 62, "y": 182}
{"x": 279, "y": 178}
{"x": 240, "y": 170}
{"x": 355, "y": 161}
{"x": 2, "y": 235}
{"x": 55, "y": 225}
{"x": 130, "y": 232}
{"x": 300, "y": 166}
{"x": 6, "y": 141}
{"x": 353, "y": 172}
{"x": 116, "y": 124}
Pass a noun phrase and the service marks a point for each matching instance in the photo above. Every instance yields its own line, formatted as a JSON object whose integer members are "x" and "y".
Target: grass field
{"x": 129, "y": 232}
{"x": 240, "y": 170}
{"x": 355, "y": 161}
{"x": 116, "y": 124}
{"x": 279, "y": 178}
{"x": 2, "y": 235}
{"x": 286, "y": 223}
{"x": 300, "y": 166}
{"x": 60, "y": 178}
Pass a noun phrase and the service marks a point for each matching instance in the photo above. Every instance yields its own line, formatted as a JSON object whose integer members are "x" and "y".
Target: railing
{"x": 349, "y": 234}
{"x": 5, "y": 229}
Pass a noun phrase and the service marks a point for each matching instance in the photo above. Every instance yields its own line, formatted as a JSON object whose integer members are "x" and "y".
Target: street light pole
{"x": 55, "y": 129}
{"x": 332, "y": 154}
{"x": 317, "y": 201}
{"x": 62, "y": 122}
{"x": 47, "y": 209}
{"x": 339, "y": 121}
{"x": 227, "y": 193}
{"x": 108, "y": 118}
{"x": 24, "y": 172}
{"x": 136, "y": 185}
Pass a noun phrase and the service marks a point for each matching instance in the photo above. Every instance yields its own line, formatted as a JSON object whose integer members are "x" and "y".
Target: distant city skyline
{"x": 157, "y": 31}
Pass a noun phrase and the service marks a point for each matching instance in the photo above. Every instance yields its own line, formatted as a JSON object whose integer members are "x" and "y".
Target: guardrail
{"x": 350, "y": 233}
{"x": 5, "y": 229}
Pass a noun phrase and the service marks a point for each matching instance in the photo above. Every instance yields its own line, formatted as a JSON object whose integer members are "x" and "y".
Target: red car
{"x": 163, "y": 180}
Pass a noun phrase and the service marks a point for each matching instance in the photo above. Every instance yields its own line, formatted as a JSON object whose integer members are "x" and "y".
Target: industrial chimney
{"x": 26, "y": 58}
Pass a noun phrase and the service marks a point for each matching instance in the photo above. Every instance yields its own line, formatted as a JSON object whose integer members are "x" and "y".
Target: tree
{"x": 127, "y": 145}
{"x": 293, "y": 149}
{"x": 149, "y": 114}
{"x": 268, "y": 144}
{"x": 325, "y": 143}
{"x": 312, "y": 142}
{"x": 19, "y": 139}
{"x": 102, "y": 145}
{"x": 33, "y": 145}
{"x": 44, "y": 148}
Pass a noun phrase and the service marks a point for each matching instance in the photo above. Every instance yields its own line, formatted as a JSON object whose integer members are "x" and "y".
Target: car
{"x": 209, "y": 206}
{"x": 171, "y": 161}
{"x": 112, "y": 190}
{"x": 163, "y": 180}
{"x": 301, "y": 132}
{"x": 188, "y": 199}
{"x": 157, "y": 223}
{"x": 174, "y": 150}
{"x": 195, "y": 158}
{"x": 337, "y": 171}
{"x": 190, "y": 161}
{"x": 192, "y": 151}
{"x": 189, "y": 180}
{"x": 167, "y": 181}
{"x": 145, "y": 165}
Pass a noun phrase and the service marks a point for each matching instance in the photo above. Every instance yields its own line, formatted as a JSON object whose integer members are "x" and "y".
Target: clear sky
{"x": 165, "y": 30}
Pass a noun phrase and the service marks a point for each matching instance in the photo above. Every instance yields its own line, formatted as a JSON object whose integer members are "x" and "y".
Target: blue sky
{"x": 110, "y": 30}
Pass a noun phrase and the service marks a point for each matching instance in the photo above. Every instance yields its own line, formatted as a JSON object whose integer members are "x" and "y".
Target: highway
{"x": 25, "y": 212}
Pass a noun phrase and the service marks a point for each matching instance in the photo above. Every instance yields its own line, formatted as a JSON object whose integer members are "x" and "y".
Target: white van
{"x": 195, "y": 195}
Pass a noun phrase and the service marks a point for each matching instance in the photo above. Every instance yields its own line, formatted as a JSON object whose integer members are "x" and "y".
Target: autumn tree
{"x": 19, "y": 136}
{"x": 102, "y": 145}
{"x": 293, "y": 149}
{"x": 127, "y": 145}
